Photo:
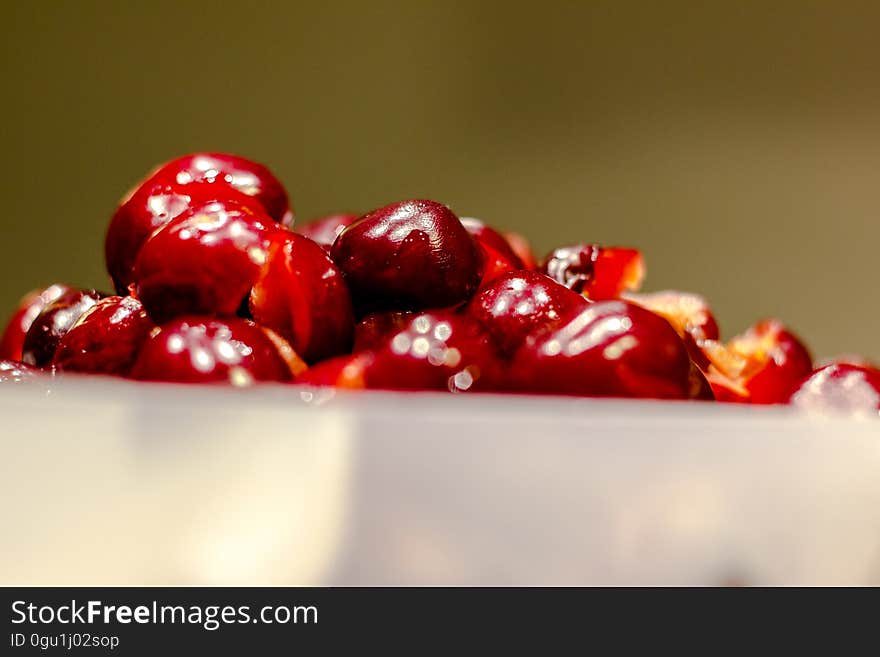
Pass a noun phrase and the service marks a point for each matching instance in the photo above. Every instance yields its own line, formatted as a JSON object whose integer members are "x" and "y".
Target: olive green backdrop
{"x": 738, "y": 146}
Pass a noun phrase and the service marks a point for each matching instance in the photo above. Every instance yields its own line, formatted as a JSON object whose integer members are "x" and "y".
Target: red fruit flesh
{"x": 106, "y": 339}
{"x": 302, "y": 296}
{"x": 611, "y": 348}
{"x": 151, "y": 206}
{"x": 498, "y": 258}
{"x": 762, "y": 366}
{"x": 599, "y": 273}
{"x": 523, "y": 250}
{"x": 688, "y": 313}
{"x": 437, "y": 351}
{"x": 13, "y": 371}
{"x": 376, "y": 329}
{"x": 27, "y": 311}
{"x": 325, "y": 230}
{"x": 523, "y": 303}
{"x": 53, "y": 322}
{"x": 840, "y": 388}
{"x": 204, "y": 262}
{"x": 408, "y": 256}
{"x": 202, "y": 350}
{"x": 230, "y": 171}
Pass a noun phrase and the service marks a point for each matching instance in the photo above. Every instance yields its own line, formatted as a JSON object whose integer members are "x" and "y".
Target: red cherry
{"x": 522, "y": 249}
{"x": 599, "y": 273}
{"x": 498, "y": 257}
{"x": 688, "y": 313}
{"x": 763, "y": 365}
{"x": 106, "y": 338}
{"x": 13, "y": 371}
{"x": 202, "y": 350}
{"x": 522, "y": 303}
{"x": 408, "y": 256}
{"x": 347, "y": 371}
{"x": 302, "y": 296}
{"x": 376, "y": 329}
{"x": 148, "y": 208}
{"x": 611, "y": 348}
{"x": 436, "y": 351}
{"x": 27, "y": 311}
{"x": 325, "y": 230}
{"x": 840, "y": 388}
{"x": 53, "y": 322}
{"x": 203, "y": 262}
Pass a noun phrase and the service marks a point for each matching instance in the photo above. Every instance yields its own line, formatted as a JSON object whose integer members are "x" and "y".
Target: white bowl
{"x": 112, "y": 482}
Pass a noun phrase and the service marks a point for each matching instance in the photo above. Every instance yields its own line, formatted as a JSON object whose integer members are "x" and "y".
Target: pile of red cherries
{"x": 214, "y": 284}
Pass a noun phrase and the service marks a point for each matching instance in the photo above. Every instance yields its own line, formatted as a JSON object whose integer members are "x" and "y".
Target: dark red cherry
{"x": 522, "y": 303}
{"x": 840, "y": 388}
{"x": 325, "y": 230}
{"x": 204, "y": 262}
{"x": 599, "y": 273}
{"x": 376, "y": 329}
{"x": 53, "y": 322}
{"x": 762, "y": 366}
{"x": 611, "y": 348}
{"x": 498, "y": 257}
{"x": 152, "y": 205}
{"x": 230, "y": 171}
{"x": 27, "y": 311}
{"x": 437, "y": 351}
{"x": 13, "y": 371}
{"x": 522, "y": 249}
{"x": 106, "y": 339}
{"x": 302, "y": 296}
{"x": 408, "y": 256}
{"x": 202, "y": 350}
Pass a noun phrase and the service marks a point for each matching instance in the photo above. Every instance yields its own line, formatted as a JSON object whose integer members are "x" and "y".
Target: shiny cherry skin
{"x": 13, "y": 371}
{"x": 599, "y": 273}
{"x": 436, "y": 351}
{"x": 204, "y": 262}
{"x": 205, "y": 350}
{"x": 522, "y": 303}
{"x": 152, "y": 205}
{"x": 28, "y": 309}
{"x": 498, "y": 257}
{"x": 106, "y": 339}
{"x": 53, "y": 323}
{"x": 375, "y": 330}
{"x": 523, "y": 250}
{"x": 612, "y": 348}
{"x": 302, "y": 296}
{"x": 326, "y": 229}
{"x": 761, "y": 366}
{"x": 408, "y": 256}
{"x": 348, "y": 371}
{"x": 688, "y": 313}
{"x": 840, "y": 388}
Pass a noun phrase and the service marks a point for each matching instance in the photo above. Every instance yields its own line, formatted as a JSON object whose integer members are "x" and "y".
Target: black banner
{"x": 151, "y": 621}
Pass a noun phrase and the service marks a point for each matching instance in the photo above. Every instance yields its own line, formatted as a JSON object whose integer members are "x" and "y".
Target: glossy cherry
{"x": 13, "y": 371}
{"x": 53, "y": 322}
{"x": 611, "y": 348}
{"x": 599, "y": 273}
{"x": 840, "y": 388}
{"x": 152, "y": 205}
{"x": 325, "y": 230}
{"x": 523, "y": 250}
{"x": 203, "y": 350}
{"x": 436, "y": 351}
{"x": 375, "y": 330}
{"x": 347, "y": 371}
{"x": 408, "y": 256}
{"x": 498, "y": 257}
{"x": 522, "y": 303}
{"x": 204, "y": 262}
{"x": 27, "y": 311}
{"x": 301, "y": 295}
{"x": 106, "y": 339}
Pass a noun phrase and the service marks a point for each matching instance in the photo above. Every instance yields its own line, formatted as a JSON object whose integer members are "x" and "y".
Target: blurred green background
{"x": 738, "y": 144}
